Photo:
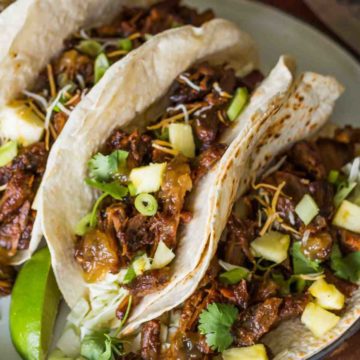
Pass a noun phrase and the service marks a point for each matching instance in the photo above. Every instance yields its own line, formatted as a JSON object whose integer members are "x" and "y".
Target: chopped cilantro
{"x": 101, "y": 346}
{"x": 215, "y": 322}
{"x": 130, "y": 275}
{"x": 114, "y": 189}
{"x": 347, "y": 267}
{"x": 293, "y": 284}
{"x": 104, "y": 167}
{"x": 302, "y": 264}
{"x": 233, "y": 276}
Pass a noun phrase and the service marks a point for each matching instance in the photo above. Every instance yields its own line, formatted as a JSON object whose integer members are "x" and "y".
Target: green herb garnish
{"x": 234, "y": 276}
{"x": 129, "y": 276}
{"x": 8, "y": 152}
{"x": 114, "y": 189}
{"x": 302, "y": 264}
{"x": 215, "y": 323}
{"x": 100, "y": 66}
{"x": 83, "y": 225}
{"x": 125, "y": 44}
{"x": 333, "y": 176}
{"x": 347, "y": 267}
{"x": 104, "y": 167}
{"x": 90, "y": 47}
{"x": 343, "y": 191}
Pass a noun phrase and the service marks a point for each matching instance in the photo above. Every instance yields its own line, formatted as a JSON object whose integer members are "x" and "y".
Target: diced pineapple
{"x": 147, "y": 179}
{"x": 327, "y": 295}
{"x": 182, "y": 139}
{"x": 318, "y": 320}
{"x": 141, "y": 264}
{"x": 18, "y": 122}
{"x": 347, "y": 216}
{"x": 255, "y": 352}
{"x": 272, "y": 246}
{"x": 163, "y": 256}
{"x": 8, "y": 152}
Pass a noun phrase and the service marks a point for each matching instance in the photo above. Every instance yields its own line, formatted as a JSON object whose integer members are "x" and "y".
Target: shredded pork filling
{"x": 122, "y": 232}
{"x": 271, "y": 292}
{"x": 59, "y": 88}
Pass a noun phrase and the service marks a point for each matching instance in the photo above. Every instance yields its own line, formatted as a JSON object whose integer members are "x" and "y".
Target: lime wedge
{"x": 34, "y": 304}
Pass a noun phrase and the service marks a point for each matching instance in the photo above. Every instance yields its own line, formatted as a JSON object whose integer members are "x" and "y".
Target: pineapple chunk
{"x": 318, "y": 320}
{"x": 163, "y": 256}
{"x": 147, "y": 179}
{"x": 255, "y": 352}
{"x": 347, "y": 216}
{"x": 18, "y": 122}
{"x": 327, "y": 295}
{"x": 182, "y": 139}
{"x": 272, "y": 246}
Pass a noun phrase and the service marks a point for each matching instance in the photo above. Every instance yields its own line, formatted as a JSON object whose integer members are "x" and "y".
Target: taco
{"x": 152, "y": 151}
{"x": 282, "y": 283}
{"x": 51, "y": 56}
{"x": 195, "y": 280}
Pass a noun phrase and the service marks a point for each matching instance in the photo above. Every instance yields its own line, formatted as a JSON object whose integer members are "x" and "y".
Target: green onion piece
{"x": 333, "y": 176}
{"x": 100, "y": 66}
{"x": 90, "y": 47}
{"x": 307, "y": 209}
{"x": 343, "y": 191}
{"x": 234, "y": 276}
{"x": 146, "y": 204}
{"x": 127, "y": 312}
{"x": 8, "y": 152}
{"x": 125, "y": 44}
{"x": 132, "y": 189}
{"x": 129, "y": 276}
{"x": 93, "y": 219}
{"x": 237, "y": 103}
{"x": 83, "y": 225}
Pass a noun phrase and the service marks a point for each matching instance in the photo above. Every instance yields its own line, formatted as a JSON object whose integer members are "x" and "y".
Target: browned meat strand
{"x": 7, "y": 279}
{"x": 293, "y": 306}
{"x": 346, "y": 287}
{"x": 150, "y": 340}
{"x": 349, "y": 240}
{"x": 21, "y": 177}
{"x": 149, "y": 282}
{"x": 256, "y": 321}
{"x": 237, "y": 294}
{"x": 263, "y": 289}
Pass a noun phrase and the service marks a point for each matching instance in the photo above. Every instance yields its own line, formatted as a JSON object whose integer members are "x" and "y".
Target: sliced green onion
{"x": 347, "y": 216}
{"x": 343, "y": 191}
{"x": 93, "y": 219}
{"x": 125, "y": 44}
{"x": 90, "y": 47}
{"x": 129, "y": 276}
{"x": 234, "y": 276}
{"x": 146, "y": 204}
{"x": 100, "y": 66}
{"x": 163, "y": 256}
{"x": 237, "y": 103}
{"x": 83, "y": 225}
{"x": 132, "y": 189}
{"x": 127, "y": 312}
{"x": 307, "y": 209}
{"x": 8, "y": 152}
{"x": 333, "y": 176}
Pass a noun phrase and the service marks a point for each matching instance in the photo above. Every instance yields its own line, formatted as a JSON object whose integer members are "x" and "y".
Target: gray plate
{"x": 276, "y": 33}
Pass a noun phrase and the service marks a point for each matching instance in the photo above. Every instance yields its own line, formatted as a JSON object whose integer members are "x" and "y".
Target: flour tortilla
{"x": 121, "y": 100}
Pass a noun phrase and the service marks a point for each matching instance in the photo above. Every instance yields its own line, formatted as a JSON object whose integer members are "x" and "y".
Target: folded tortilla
{"x": 121, "y": 100}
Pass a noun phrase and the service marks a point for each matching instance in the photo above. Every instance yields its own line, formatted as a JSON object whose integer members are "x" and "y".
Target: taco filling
{"x": 31, "y": 124}
{"x": 130, "y": 236}
{"x": 290, "y": 249}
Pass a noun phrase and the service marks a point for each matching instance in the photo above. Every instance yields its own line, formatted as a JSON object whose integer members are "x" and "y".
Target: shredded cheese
{"x": 165, "y": 149}
{"x": 116, "y": 53}
{"x": 52, "y": 84}
{"x": 80, "y": 79}
{"x": 36, "y": 110}
{"x": 221, "y": 117}
{"x": 134, "y": 36}
{"x": 162, "y": 143}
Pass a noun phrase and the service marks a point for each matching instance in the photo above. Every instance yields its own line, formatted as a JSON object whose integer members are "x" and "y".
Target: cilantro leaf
{"x": 104, "y": 167}
{"x": 302, "y": 264}
{"x": 130, "y": 275}
{"x": 114, "y": 189}
{"x": 287, "y": 285}
{"x": 347, "y": 267}
{"x": 101, "y": 346}
{"x": 233, "y": 276}
{"x": 215, "y": 322}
